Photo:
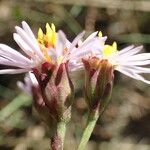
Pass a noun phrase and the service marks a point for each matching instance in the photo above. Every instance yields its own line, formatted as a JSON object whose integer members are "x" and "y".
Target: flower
{"x": 127, "y": 61}
{"x": 52, "y": 48}
{"x": 98, "y": 82}
{"x": 99, "y": 71}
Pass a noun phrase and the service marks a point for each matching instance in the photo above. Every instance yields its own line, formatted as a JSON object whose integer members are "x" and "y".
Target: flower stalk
{"x": 98, "y": 87}
{"x": 52, "y": 100}
{"x": 57, "y": 140}
{"x": 91, "y": 122}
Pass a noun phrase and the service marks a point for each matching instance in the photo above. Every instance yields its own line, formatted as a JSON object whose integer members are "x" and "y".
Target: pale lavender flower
{"x": 127, "y": 61}
{"x": 52, "y": 47}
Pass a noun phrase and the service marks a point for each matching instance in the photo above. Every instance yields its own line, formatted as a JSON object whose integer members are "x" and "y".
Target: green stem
{"x": 61, "y": 131}
{"x": 91, "y": 122}
{"x": 57, "y": 141}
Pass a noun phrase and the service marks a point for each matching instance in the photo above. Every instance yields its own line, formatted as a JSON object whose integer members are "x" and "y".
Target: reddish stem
{"x": 56, "y": 143}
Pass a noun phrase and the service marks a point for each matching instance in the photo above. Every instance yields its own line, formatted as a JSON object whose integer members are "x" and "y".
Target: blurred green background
{"x": 126, "y": 122}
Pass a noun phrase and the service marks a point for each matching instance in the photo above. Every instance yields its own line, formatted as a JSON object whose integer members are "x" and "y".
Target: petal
{"x": 143, "y": 56}
{"x": 125, "y": 50}
{"x": 128, "y": 54}
{"x": 138, "y": 63}
{"x": 28, "y": 31}
{"x": 4, "y": 61}
{"x": 91, "y": 36}
{"x": 132, "y": 74}
{"x": 75, "y": 41}
{"x": 93, "y": 46}
{"x": 13, "y": 71}
{"x": 61, "y": 43}
{"x": 23, "y": 45}
{"x": 13, "y": 54}
{"x": 139, "y": 77}
{"x": 136, "y": 69}
{"x": 33, "y": 79}
{"x": 29, "y": 41}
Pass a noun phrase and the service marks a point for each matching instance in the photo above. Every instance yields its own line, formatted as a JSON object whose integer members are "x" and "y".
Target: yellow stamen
{"x": 40, "y": 36}
{"x": 100, "y": 34}
{"x": 53, "y": 27}
{"x": 48, "y": 36}
{"x": 47, "y": 40}
{"x": 110, "y": 49}
{"x": 53, "y": 34}
{"x": 114, "y": 45}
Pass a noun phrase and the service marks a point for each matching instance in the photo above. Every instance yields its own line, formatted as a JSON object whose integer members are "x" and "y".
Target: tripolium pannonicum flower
{"x": 47, "y": 61}
{"x": 99, "y": 66}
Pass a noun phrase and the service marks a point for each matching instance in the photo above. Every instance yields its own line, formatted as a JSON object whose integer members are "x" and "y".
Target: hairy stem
{"x": 91, "y": 122}
{"x": 57, "y": 141}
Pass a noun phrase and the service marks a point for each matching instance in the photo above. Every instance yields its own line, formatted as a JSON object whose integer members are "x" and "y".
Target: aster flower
{"x": 127, "y": 61}
{"x": 100, "y": 65}
{"x": 52, "y": 47}
{"x": 99, "y": 74}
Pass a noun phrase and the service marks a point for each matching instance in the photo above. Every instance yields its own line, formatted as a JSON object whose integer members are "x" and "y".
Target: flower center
{"x": 47, "y": 41}
{"x": 109, "y": 49}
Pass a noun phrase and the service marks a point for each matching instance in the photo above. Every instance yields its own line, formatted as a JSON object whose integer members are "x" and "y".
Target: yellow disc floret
{"x": 50, "y": 37}
{"x": 48, "y": 40}
{"x": 40, "y": 36}
{"x": 100, "y": 34}
{"x": 110, "y": 49}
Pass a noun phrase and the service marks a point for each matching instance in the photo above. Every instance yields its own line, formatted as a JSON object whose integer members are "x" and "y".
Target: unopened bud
{"x": 58, "y": 94}
{"x": 53, "y": 96}
{"x": 98, "y": 82}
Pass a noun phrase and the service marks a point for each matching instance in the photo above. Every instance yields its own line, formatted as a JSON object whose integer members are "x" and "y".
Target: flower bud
{"x": 57, "y": 93}
{"x": 53, "y": 95}
{"x": 98, "y": 82}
